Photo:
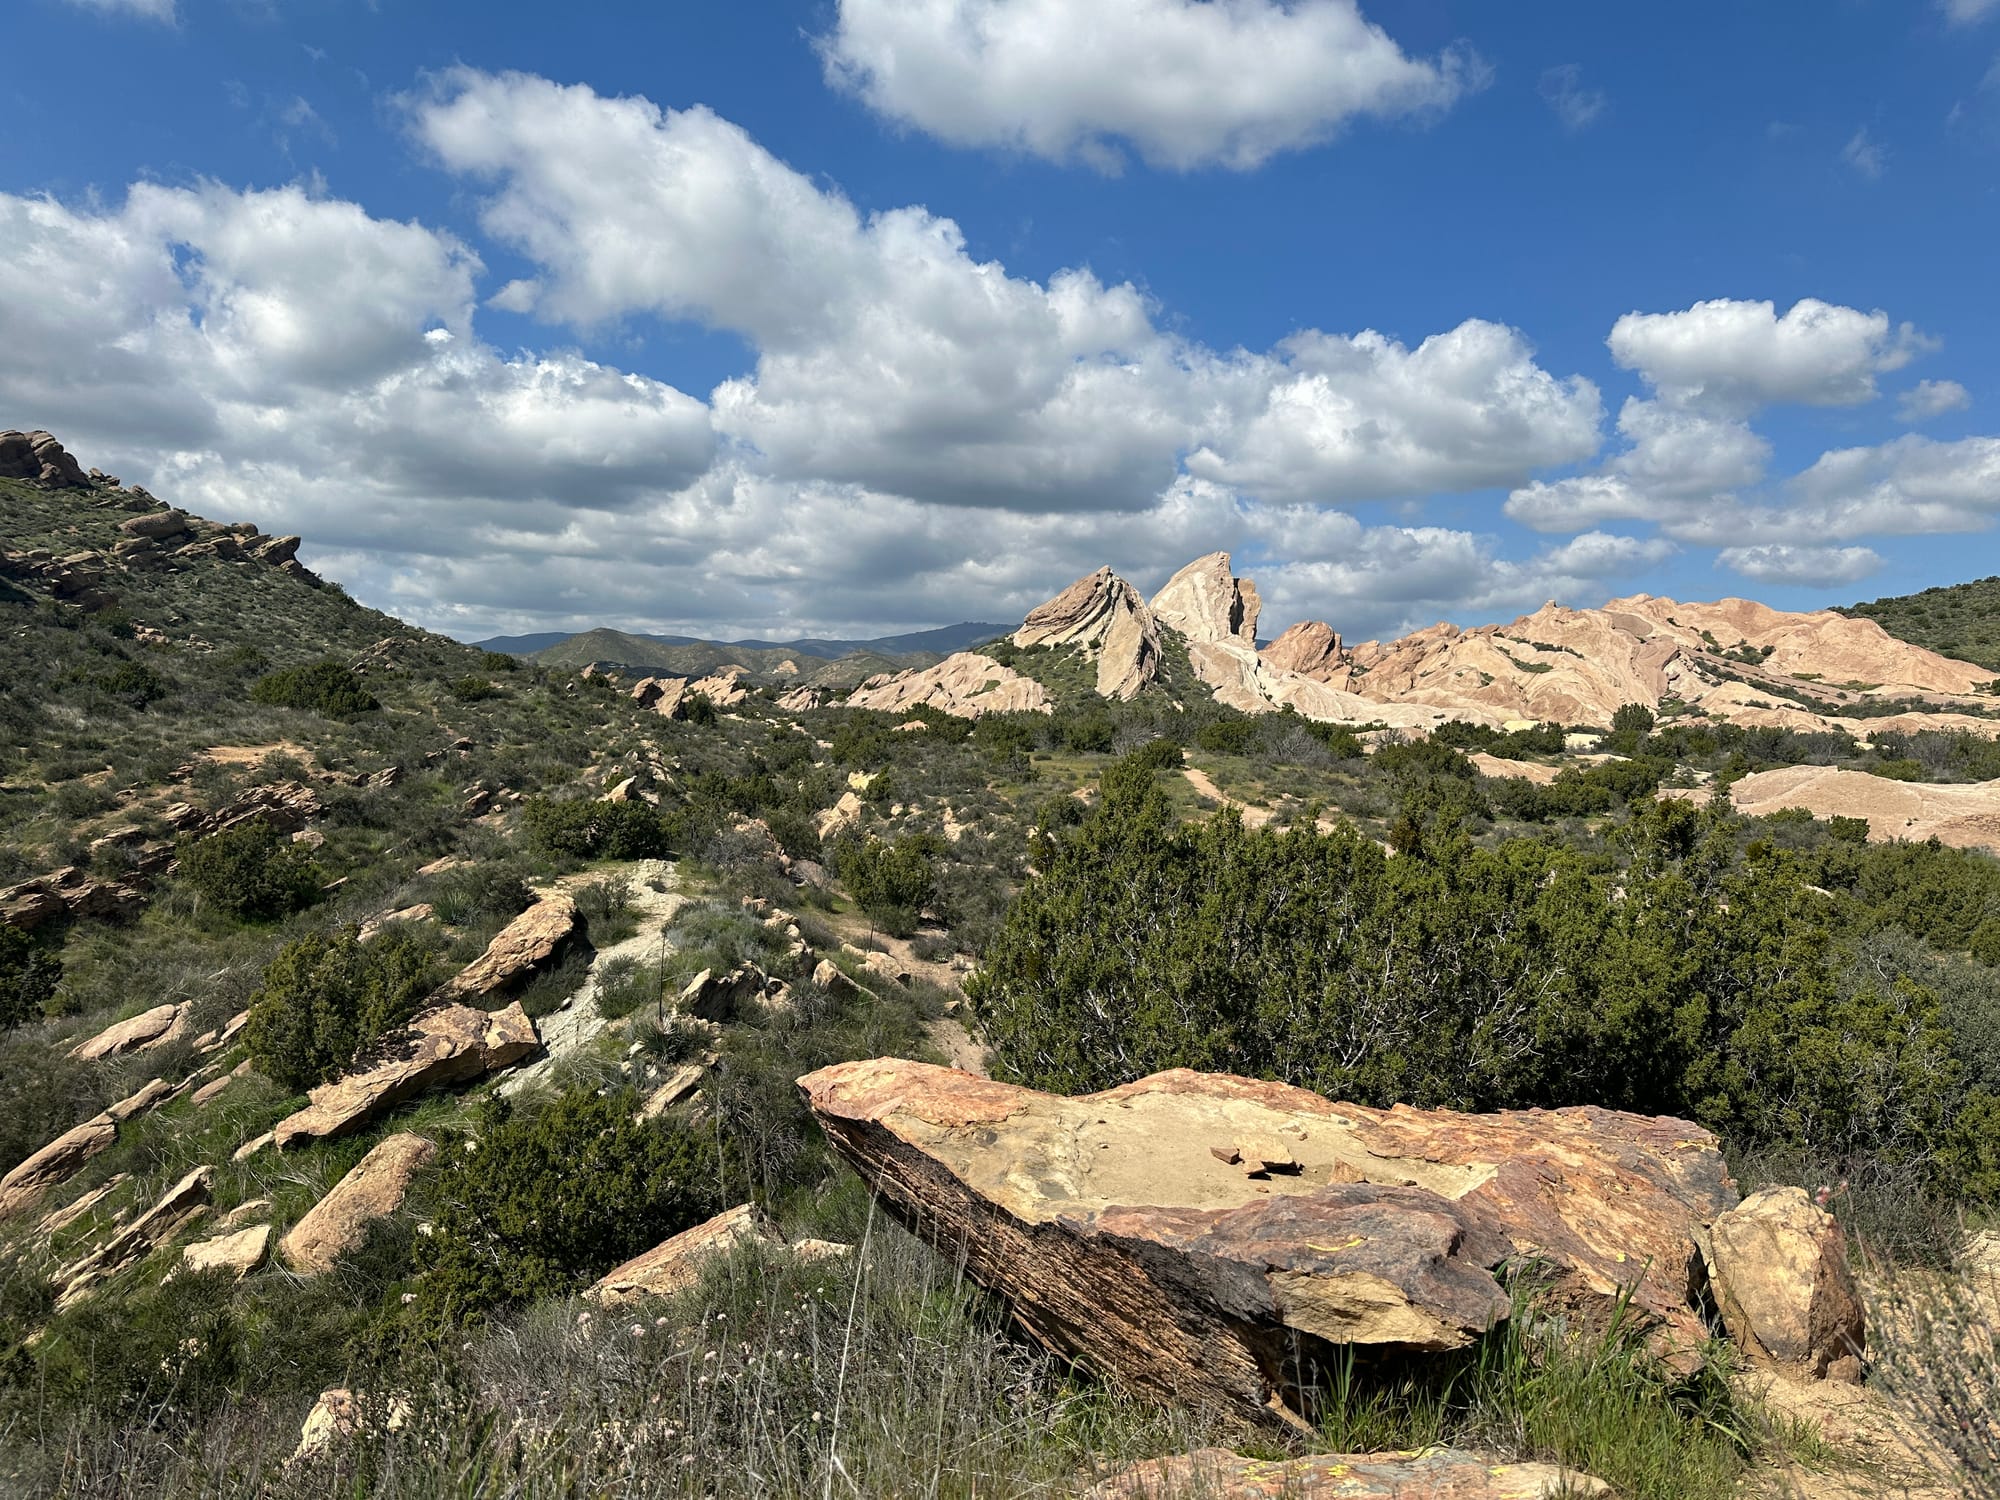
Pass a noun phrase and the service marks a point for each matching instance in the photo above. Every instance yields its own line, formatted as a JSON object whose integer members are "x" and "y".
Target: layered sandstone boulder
{"x": 1207, "y": 1239}
{"x": 1435, "y": 1474}
{"x": 181, "y": 1204}
{"x": 1206, "y": 602}
{"x": 373, "y": 1190}
{"x": 57, "y": 1162}
{"x": 37, "y": 455}
{"x": 1781, "y": 1278}
{"x": 239, "y": 1252}
{"x": 449, "y": 1044}
{"x": 966, "y": 684}
{"x": 536, "y": 940}
{"x": 140, "y": 1033}
{"x": 676, "y": 1264}
{"x": 1104, "y": 616}
{"x": 1311, "y": 649}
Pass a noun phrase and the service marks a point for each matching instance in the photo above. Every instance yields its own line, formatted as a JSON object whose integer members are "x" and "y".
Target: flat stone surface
{"x": 1439, "y": 1474}
{"x": 676, "y": 1264}
{"x": 374, "y": 1189}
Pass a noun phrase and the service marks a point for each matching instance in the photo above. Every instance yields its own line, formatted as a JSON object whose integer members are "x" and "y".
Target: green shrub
{"x": 538, "y": 1205}
{"x": 29, "y": 974}
{"x": 1985, "y": 944}
{"x": 252, "y": 872}
{"x": 588, "y": 828}
{"x": 891, "y": 882}
{"x": 328, "y": 995}
{"x": 132, "y": 683}
{"x": 499, "y": 661}
{"x": 1228, "y": 736}
{"x": 325, "y": 687}
{"x": 472, "y": 689}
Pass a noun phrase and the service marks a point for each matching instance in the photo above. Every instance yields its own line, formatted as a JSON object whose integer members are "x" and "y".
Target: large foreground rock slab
{"x": 676, "y": 1264}
{"x": 1439, "y": 1474}
{"x": 447, "y": 1045}
{"x": 140, "y": 1033}
{"x": 1207, "y": 1239}
{"x": 535, "y": 940}
{"x": 373, "y": 1190}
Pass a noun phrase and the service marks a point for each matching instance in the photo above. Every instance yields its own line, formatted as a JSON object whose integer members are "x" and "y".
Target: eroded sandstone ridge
{"x": 1207, "y": 1239}
{"x": 1103, "y": 616}
{"x": 966, "y": 684}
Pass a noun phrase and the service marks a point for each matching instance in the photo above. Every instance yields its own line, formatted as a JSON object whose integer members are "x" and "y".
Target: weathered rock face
{"x": 724, "y": 689}
{"x": 1781, "y": 1278}
{"x": 1103, "y": 614}
{"x": 966, "y": 684}
{"x": 68, "y": 892}
{"x": 1206, "y": 602}
{"x": 1199, "y": 1237}
{"x": 1966, "y": 816}
{"x": 1310, "y": 649}
{"x": 676, "y": 1264}
{"x": 1437, "y": 1474}
{"x": 535, "y": 940}
{"x": 140, "y": 1033}
{"x": 37, "y": 455}
{"x": 57, "y": 1162}
{"x": 373, "y": 1190}
{"x": 239, "y": 1253}
{"x": 446, "y": 1045}
{"x": 286, "y": 805}
{"x": 155, "y": 525}
{"x": 183, "y": 1203}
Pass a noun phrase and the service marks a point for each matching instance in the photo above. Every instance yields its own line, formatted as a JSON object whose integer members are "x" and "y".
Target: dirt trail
{"x": 1253, "y": 817}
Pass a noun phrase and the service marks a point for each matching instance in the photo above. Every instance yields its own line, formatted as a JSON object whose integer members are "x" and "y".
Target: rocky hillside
{"x": 1733, "y": 661}
{"x": 1961, "y": 620}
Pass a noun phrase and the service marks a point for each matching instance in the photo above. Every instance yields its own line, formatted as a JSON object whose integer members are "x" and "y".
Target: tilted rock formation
{"x": 373, "y": 1190}
{"x": 1781, "y": 1279}
{"x": 181, "y": 1204}
{"x": 286, "y": 805}
{"x": 1103, "y": 615}
{"x": 535, "y": 940}
{"x": 68, "y": 892}
{"x": 446, "y": 1045}
{"x": 966, "y": 684}
{"x": 57, "y": 1162}
{"x": 1435, "y": 1474}
{"x": 140, "y": 1033}
{"x": 676, "y": 1264}
{"x": 1308, "y": 649}
{"x": 36, "y": 455}
{"x": 1206, "y": 602}
{"x": 1199, "y": 1237}
{"x": 723, "y": 688}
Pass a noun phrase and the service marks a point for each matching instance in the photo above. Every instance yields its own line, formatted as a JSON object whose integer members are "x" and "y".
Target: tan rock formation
{"x": 1964, "y": 816}
{"x": 966, "y": 684}
{"x": 1779, "y": 1265}
{"x": 38, "y": 456}
{"x": 373, "y": 1190}
{"x": 802, "y": 700}
{"x": 69, "y": 1213}
{"x": 1434, "y": 1474}
{"x": 178, "y": 1207}
{"x": 1103, "y": 615}
{"x": 844, "y": 814}
{"x": 680, "y": 1085}
{"x": 1207, "y": 603}
{"x": 1195, "y": 1236}
{"x": 724, "y": 689}
{"x": 445, "y": 1045}
{"x": 1308, "y": 649}
{"x": 535, "y": 940}
{"x": 676, "y": 1264}
{"x": 145, "y": 1100}
{"x": 340, "y": 1414}
{"x": 57, "y": 1162}
{"x": 140, "y": 1033}
{"x": 239, "y": 1253}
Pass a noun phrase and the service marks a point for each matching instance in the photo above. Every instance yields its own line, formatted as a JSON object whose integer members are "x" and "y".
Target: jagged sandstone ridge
{"x": 1733, "y": 660}
{"x": 1103, "y": 616}
{"x": 966, "y": 684}
{"x": 1197, "y": 1237}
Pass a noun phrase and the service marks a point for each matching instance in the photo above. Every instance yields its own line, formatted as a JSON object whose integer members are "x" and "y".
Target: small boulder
{"x": 156, "y": 525}
{"x": 537, "y": 939}
{"x": 140, "y": 1033}
{"x": 676, "y": 1264}
{"x": 239, "y": 1253}
{"x": 373, "y": 1190}
{"x": 1781, "y": 1280}
{"x": 1434, "y": 1474}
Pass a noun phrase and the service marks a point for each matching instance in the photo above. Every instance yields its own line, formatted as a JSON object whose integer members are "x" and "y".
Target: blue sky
{"x": 878, "y": 314}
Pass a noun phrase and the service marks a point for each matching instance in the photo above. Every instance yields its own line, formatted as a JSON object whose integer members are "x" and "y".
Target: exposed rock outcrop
{"x": 239, "y": 1252}
{"x": 38, "y": 456}
{"x": 69, "y": 893}
{"x": 536, "y": 940}
{"x": 966, "y": 684}
{"x": 1202, "y": 1238}
{"x": 1308, "y": 649}
{"x": 140, "y": 1033}
{"x": 1965, "y": 816}
{"x": 1206, "y": 602}
{"x": 57, "y": 1162}
{"x": 445, "y": 1045}
{"x": 373, "y": 1190}
{"x": 676, "y": 1264}
{"x": 1435, "y": 1474}
{"x": 1779, "y": 1265}
{"x": 181, "y": 1204}
{"x": 1103, "y": 615}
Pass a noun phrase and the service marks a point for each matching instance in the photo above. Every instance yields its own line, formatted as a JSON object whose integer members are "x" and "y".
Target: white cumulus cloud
{"x": 1932, "y": 398}
{"x": 1780, "y": 563}
{"x": 1185, "y": 83}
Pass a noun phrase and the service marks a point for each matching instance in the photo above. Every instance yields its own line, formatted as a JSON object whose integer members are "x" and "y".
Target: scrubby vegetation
{"x": 327, "y": 995}
{"x": 1962, "y": 620}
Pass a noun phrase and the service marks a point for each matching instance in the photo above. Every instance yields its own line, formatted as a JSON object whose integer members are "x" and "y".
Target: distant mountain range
{"x": 943, "y": 640}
